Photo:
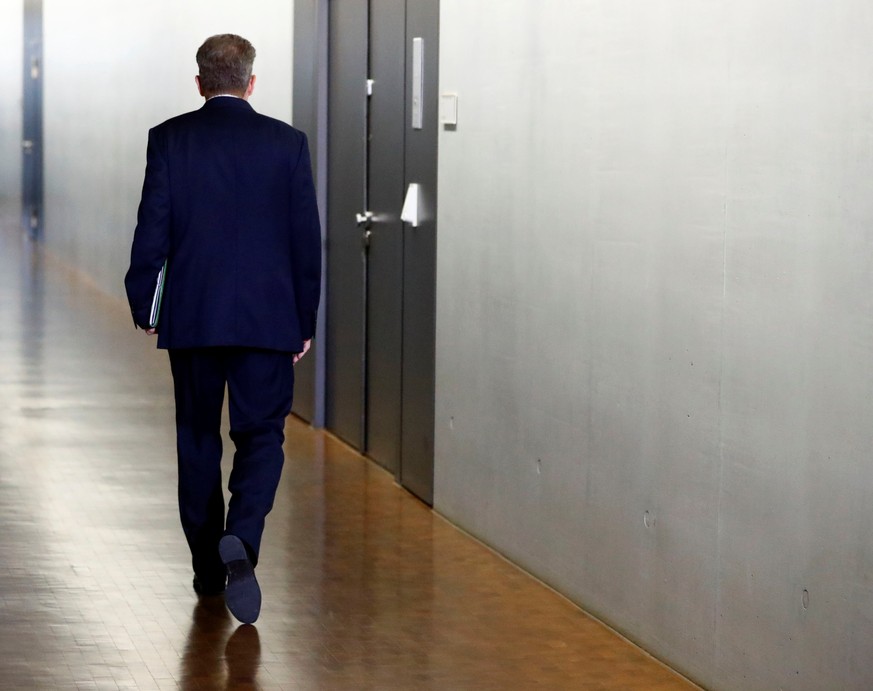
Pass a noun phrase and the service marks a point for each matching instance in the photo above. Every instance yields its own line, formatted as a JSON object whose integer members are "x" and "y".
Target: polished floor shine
{"x": 364, "y": 587}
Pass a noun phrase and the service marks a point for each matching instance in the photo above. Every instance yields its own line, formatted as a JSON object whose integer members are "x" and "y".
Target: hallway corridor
{"x": 364, "y": 587}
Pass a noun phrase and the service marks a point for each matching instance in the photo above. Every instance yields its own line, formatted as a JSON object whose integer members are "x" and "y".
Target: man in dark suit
{"x": 228, "y": 201}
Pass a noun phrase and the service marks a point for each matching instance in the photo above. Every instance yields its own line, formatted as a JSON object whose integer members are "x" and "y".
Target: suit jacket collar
{"x": 227, "y": 102}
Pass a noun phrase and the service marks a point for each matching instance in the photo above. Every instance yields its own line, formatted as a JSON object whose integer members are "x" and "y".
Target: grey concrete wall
{"x": 114, "y": 69}
{"x": 11, "y": 49}
{"x": 655, "y": 320}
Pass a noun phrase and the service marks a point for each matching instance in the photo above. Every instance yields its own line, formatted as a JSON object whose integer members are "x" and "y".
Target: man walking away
{"x": 228, "y": 203}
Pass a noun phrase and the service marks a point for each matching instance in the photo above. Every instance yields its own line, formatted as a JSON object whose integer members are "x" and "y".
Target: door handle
{"x": 364, "y": 220}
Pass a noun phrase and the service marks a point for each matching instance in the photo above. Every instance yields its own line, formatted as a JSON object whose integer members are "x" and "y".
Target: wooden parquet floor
{"x": 364, "y": 587}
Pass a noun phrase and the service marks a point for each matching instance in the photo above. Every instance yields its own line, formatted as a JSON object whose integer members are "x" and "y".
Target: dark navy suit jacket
{"x": 228, "y": 200}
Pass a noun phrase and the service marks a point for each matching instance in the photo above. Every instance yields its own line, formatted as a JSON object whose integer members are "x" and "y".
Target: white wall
{"x": 655, "y": 341}
{"x": 11, "y": 49}
{"x": 114, "y": 69}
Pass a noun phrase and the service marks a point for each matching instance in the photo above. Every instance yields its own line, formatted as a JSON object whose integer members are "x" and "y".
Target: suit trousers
{"x": 260, "y": 386}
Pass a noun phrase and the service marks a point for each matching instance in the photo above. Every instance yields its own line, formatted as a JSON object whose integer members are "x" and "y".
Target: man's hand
{"x": 151, "y": 332}
{"x": 305, "y": 350}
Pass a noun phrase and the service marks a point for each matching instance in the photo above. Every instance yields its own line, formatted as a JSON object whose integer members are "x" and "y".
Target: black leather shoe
{"x": 243, "y": 594}
{"x": 206, "y": 588}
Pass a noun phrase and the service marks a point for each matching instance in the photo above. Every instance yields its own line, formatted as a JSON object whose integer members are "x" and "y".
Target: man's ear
{"x": 199, "y": 87}
{"x": 251, "y": 87}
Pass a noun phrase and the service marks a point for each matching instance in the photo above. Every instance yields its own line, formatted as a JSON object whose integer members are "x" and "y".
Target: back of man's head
{"x": 225, "y": 63}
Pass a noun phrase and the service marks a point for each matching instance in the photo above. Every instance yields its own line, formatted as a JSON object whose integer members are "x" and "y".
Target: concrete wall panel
{"x": 654, "y": 333}
{"x": 11, "y": 49}
{"x": 112, "y": 71}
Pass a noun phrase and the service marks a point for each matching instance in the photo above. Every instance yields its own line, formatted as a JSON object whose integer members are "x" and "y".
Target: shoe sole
{"x": 242, "y": 594}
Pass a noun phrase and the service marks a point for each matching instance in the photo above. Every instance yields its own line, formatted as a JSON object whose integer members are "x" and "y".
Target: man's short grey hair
{"x": 225, "y": 63}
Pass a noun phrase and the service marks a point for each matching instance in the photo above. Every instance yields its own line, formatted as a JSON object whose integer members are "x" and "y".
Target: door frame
{"x": 311, "y": 112}
{"x": 310, "y": 65}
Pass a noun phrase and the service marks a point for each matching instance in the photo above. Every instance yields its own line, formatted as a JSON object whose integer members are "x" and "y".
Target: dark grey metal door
{"x": 348, "y": 32}
{"x": 419, "y": 254}
{"x": 369, "y": 400}
{"x": 32, "y": 140}
{"x": 385, "y": 284}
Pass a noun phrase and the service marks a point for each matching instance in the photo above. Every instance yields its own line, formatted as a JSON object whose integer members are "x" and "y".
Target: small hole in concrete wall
{"x": 648, "y": 519}
{"x": 539, "y": 466}
{"x": 451, "y": 423}
{"x": 805, "y": 599}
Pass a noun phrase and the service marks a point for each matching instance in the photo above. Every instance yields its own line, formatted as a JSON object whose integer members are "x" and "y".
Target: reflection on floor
{"x": 364, "y": 588}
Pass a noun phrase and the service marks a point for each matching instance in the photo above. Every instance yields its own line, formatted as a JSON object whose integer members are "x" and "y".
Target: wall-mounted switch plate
{"x": 449, "y": 109}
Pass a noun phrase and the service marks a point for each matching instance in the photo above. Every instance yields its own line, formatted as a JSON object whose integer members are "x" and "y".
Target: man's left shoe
{"x": 243, "y": 594}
